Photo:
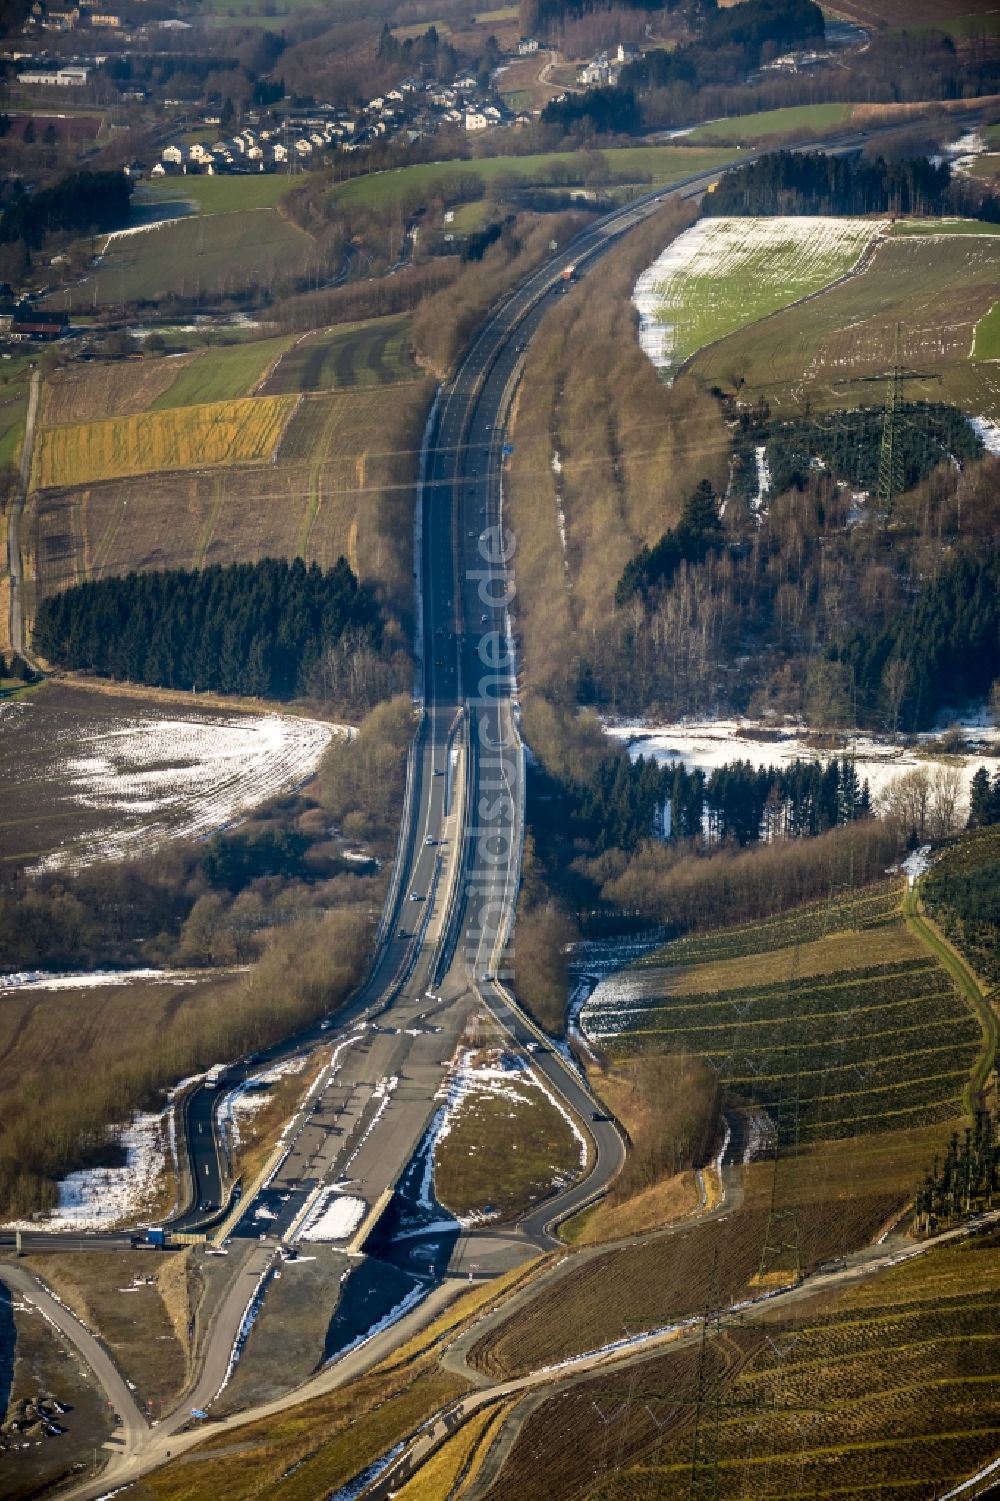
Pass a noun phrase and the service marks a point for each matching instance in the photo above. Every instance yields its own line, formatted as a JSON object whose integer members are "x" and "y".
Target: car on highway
{"x": 430, "y": 840}
{"x": 416, "y": 896}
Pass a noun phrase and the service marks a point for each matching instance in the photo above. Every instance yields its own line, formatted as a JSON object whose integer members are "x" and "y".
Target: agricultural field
{"x": 216, "y": 254}
{"x": 221, "y": 195}
{"x": 848, "y": 1034}
{"x": 91, "y": 392}
{"x": 502, "y": 1142}
{"x": 936, "y": 288}
{"x": 797, "y": 120}
{"x": 889, "y": 1387}
{"x": 373, "y": 353}
{"x": 904, "y": 227}
{"x": 222, "y": 372}
{"x": 725, "y": 274}
{"x": 846, "y": 1049}
{"x": 640, "y": 164}
{"x": 216, "y": 433}
{"x": 15, "y": 382}
{"x": 340, "y": 485}
{"x": 88, "y": 774}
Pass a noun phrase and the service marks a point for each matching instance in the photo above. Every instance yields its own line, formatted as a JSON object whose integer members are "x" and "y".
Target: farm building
{"x": 30, "y": 323}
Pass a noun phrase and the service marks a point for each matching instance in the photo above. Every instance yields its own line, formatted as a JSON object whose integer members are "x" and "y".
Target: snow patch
{"x": 879, "y": 760}
{"x": 333, "y": 1217}
{"x": 987, "y": 432}
{"x": 40, "y": 979}
{"x": 99, "y": 1198}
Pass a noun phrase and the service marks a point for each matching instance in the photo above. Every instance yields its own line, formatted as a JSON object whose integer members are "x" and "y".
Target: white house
{"x": 527, "y": 45}
{"x": 475, "y": 119}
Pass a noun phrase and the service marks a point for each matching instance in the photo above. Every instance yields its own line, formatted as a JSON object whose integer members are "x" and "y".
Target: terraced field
{"x": 936, "y": 287}
{"x": 223, "y": 433}
{"x": 890, "y": 1388}
{"x": 854, "y": 1032}
{"x": 375, "y": 353}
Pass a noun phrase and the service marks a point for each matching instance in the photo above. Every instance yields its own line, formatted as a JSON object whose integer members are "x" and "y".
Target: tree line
{"x": 966, "y": 1180}
{"x": 786, "y": 182}
{"x": 81, "y": 202}
{"x": 250, "y": 628}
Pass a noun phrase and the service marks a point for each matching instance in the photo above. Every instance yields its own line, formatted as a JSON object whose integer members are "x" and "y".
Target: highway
{"x": 444, "y": 942}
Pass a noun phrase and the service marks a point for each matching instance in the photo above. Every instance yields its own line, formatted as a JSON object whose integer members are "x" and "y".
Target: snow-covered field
{"x": 722, "y": 274}
{"x": 122, "y": 779}
{"x": 710, "y": 743}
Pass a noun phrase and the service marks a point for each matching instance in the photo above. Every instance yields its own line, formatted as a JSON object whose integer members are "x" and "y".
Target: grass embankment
{"x": 670, "y": 1106}
{"x": 799, "y": 120}
{"x": 630, "y": 450}
{"x": 220, "y": 433}
{"x": 507, "y": 1146}
{"x": 641, "y": 165}
{"x": 824, "y": 351}
{"x": 452, "y": 1471}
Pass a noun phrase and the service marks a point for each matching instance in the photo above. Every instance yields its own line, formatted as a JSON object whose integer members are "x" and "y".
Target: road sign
{"x": 507, "y": 450}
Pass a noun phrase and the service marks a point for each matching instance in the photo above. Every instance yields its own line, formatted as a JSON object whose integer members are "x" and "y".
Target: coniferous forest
{"x": 622, "y": 803}
{"x": 251, "y": 628}
{"x": 787, "y": 182}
